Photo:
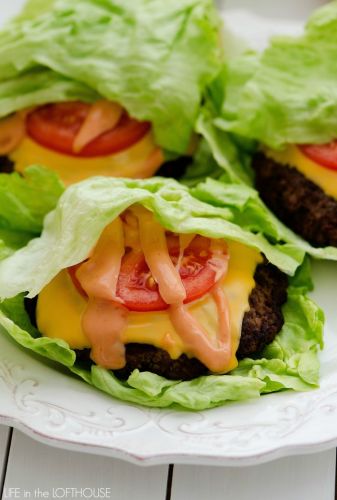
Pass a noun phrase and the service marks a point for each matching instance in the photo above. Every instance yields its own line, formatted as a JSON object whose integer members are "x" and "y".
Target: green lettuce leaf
{"x": 155, "y": 58}
{"x": 249, "y": 211}
{"x": 40, "y": 86}
{"x": 34, "y": 8}
{"x": 24, "y": 202}
{"x": 269, "y": 97}
{"x": 84, "y": 209}
{"x": 289, "y": 362}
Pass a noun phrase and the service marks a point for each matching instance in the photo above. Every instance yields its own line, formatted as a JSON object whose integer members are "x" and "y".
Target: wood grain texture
{"x": 4, "y": 432}
{"x": 34, "y": 466}
{"x": 310, "y": 477}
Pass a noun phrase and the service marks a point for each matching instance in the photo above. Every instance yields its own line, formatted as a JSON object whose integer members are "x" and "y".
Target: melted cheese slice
{"x": 292, "y": 156}
{"x": 60, "y": 308}
{"x": 131, "y": 162}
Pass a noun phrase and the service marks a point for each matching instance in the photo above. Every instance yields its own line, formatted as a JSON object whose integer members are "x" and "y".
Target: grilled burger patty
{"x": 264, "y": 319}
{"x": 298, "y": 202}
{"x": 260, "y": 325}
{"x": 6, "y": 165}
{"x": 148, "y": 358}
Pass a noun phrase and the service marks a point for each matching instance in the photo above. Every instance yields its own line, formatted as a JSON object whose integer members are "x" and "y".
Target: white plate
{"x": 60, "y": 410}
{"x": 63, "y": 411}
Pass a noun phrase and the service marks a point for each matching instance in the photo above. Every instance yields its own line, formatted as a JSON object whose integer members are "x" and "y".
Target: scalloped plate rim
{"x": 166, "y": 459}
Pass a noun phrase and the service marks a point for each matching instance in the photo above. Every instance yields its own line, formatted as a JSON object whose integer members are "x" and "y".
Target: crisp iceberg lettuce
{"x": 72, "y": 229}
{"x": 84, "y": 209}
{"x": 24, "y": 202}
{"x": 268, "y": 97}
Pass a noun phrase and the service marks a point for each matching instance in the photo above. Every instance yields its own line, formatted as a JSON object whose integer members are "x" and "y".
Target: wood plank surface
{"x": 37, "y": 470}
{"x": 309, "y": 477}
{"x": 4, "y": 433}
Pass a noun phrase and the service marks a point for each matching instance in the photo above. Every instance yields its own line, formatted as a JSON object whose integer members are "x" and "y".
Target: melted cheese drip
{"x": 60, "y": 308}
{"x": 292, "y": 156}
{"x": 139, "y": 161}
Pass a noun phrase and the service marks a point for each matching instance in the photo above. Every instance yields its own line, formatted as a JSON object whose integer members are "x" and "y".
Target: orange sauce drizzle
{"x": 99, "y": 274}
{"x": 153, "y": 242}
{"x": 214, "y": 355}
{"x": 154, "y": 245}
{"x": 103, "y": 116}
{"x": 103, "y": 323}
{"x": 105, "y": 318}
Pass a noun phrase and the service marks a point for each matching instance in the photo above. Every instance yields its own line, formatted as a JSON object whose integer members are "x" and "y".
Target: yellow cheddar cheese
{"x": 60, "y": 309}
{"x": 292, "y": 156}
{"x": 127, "y": 163}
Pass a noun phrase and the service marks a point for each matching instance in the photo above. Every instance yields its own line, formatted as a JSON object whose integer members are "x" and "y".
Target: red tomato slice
{"x": 55, "y": 126}
{"x": 323, "y": 154}
{"x": 136, "y": 286}
{"x": 139, "y": 291}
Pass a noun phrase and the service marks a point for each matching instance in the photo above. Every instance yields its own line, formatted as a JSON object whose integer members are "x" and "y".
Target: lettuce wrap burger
{"x": 104, "y": 88}
{"x": 156, "y": 297}
{"x": 277, "y": 113}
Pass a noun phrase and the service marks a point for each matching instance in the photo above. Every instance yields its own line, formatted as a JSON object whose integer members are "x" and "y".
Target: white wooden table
{"x": 32, "y": 470}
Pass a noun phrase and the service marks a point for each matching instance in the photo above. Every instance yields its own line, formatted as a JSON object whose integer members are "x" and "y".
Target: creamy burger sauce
{"x": 201, "y": 329}
{"x": 99, "y": 275}
{"x": 103, "y": 116}
{"x": 153, "y": 243}
{"x": 105, "y": 319}
{"x": 292, "y": 156}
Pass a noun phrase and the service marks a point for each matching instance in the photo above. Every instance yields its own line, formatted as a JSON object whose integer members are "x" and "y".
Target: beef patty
{"x": 6, "y": 165}
{"x": 297, "y": 201}
{"x": 261, "y": 323}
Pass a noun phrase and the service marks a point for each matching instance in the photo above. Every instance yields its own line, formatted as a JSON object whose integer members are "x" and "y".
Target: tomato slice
{"x": 323, "y": 154}
{"x": 137, "y": 288}
{"x": 55, "y": 126}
